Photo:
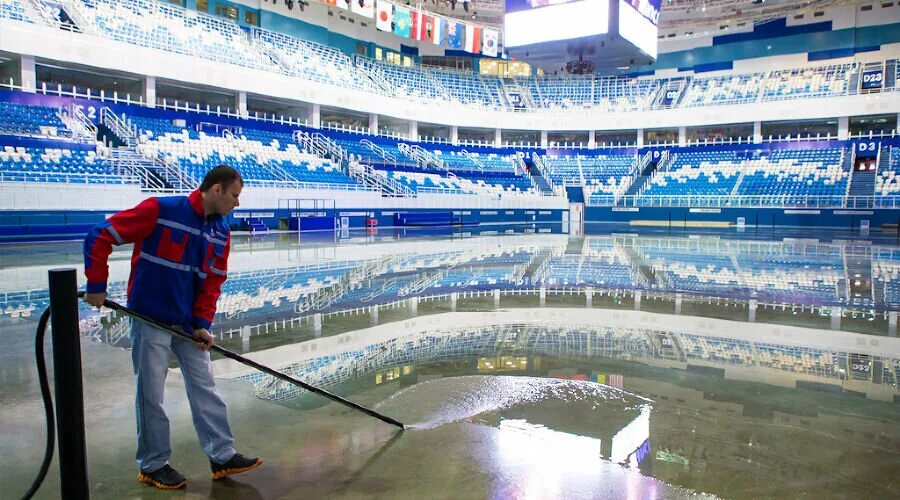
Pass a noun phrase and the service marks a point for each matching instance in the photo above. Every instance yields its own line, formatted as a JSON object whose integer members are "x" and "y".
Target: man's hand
{"x": 205, "y": 339}
{"x": 95, "y": 299}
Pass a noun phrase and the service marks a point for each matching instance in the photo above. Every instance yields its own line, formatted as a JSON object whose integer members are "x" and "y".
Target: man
{"x": 181, "y": 246}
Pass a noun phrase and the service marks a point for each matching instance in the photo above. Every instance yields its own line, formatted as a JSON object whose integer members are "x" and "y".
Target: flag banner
{"x": 437, "y": 27}
{"x": 473, "y": 39}
{"x": 419, "y": 25}
{"x": 384, "y": 16}
{"x": 489, "y": 46}
{"x": 365, "y": 8}
{"x": 455, "y": 35}
{"x": 342, "y": 4}
{"x": 401, "y": 21}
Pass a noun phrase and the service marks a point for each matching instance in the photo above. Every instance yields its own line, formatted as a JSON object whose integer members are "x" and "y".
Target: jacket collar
{"x": 196, "y": 199}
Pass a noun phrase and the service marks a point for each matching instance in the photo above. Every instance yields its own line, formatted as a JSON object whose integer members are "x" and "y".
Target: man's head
{"x": 221, "y": 189}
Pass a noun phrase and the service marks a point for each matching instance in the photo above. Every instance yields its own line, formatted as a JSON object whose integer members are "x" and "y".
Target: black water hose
{"x": 48, "y": 404}
{"x": 48, "y": 400}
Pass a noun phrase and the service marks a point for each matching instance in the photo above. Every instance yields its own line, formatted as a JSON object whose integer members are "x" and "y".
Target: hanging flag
{"x": 455, "y": 35}
{"x": 341, "y": 4}
{"x": 384, "y": 15}
{"x": 419, "y": 25}
{"x": 490, "y": 43}
{"x": 365, "y": 8}
{"x": 401, "y": 21}
{"x": 473, "y": 39}
{"x": 436, "y": 28}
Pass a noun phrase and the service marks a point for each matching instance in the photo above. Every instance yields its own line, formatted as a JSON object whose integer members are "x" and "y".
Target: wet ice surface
{"x": 487, "y": 399}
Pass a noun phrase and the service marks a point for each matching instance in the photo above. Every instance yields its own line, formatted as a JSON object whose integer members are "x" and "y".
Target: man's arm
{"x": 127, "y": 226}
{"x": 211, "y": 287}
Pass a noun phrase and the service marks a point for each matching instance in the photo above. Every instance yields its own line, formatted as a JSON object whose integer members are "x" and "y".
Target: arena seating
{"x": 159, "y": 25}
{"x": 823, "y": 81}
{"x": 736, "y": 89}
{"x": 17, "y": 10}
{"x": 259, "y": 162}
{"x": 796, "y": 172}
{"x": 21, "y": 119}
{"x": 20, "y": 164}
{"x": 312, "y": 61}
{"x": 887, "y": 183}
{"x": 702, "y": 173}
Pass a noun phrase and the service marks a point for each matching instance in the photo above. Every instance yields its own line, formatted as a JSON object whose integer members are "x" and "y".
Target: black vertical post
{"x": 67, "y": 374}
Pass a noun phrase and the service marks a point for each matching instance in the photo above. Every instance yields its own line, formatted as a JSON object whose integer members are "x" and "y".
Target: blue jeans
{"x": 150, "y": 353}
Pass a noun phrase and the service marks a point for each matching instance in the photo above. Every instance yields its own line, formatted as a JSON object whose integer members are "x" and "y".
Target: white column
{"x": 498, "y": 137}
{"x": 892, "y": 324}
{"x": 751, "y": 311}
{"x": 544, "y": 140}
{"x": 637, "y": 300}
{"x": 414, "y": 306}
{"x": 453, "y": 297}
{"x": 240, "y": 103}
{"x": 640, "y": 137}
{"x": 373, "y": 315}
{"x": 317, "y": 324}
{"x": 592, "y": 139}
{"x": 373, "y": 123}
{"x": 245, "y": 339}
{"x": 682, "y": 136}
{"x": 843, "y": 128}
{"x": 836, "y": 318}
{"x": 316, "y": 116}
{"x": 454, "y": 135}
{"x": 413, "y": 130}
{"x": 28, "y": 76}
{"x": 757, "y": 132}
{"x": 149, "y": 91}
{"x": 496, "y": 299}
{"x": 588, "y": 298}
{"x": 543, "y": 296}
{"x": 677, "y": 303}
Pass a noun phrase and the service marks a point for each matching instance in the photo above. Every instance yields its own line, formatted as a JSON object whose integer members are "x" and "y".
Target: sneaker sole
{"x": 143, "y": 478}
{"x": 229, "y": 472}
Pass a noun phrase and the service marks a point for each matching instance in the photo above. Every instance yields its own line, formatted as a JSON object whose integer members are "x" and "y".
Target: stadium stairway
{"x": 638, "y": 185}
{"x": 539, "y": 181}
{"x": 862, "y": 183}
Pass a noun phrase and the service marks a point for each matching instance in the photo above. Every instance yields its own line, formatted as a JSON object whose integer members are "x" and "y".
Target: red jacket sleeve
{"x": 216, "y": 269}
{"x": 128, "y": 226}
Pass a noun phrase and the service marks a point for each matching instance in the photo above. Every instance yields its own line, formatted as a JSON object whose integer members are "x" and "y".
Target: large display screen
{"x": 647, "y": 8}
{"x": 529, "y": 22}
{"x": 638, "y": 29}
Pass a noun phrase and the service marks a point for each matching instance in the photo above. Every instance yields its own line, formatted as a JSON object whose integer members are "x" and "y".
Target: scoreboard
{"x": 606, "y": 33}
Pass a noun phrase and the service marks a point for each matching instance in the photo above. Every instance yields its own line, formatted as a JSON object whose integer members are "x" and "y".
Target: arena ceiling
{"x": 677, "y": 15}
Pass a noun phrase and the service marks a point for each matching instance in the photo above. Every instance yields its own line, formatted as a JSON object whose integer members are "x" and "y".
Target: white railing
{"x": 744, "y": 201}
{"x": 24, "y": 176}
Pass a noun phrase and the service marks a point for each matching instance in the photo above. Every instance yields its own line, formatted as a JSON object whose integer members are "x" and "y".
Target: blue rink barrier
{"x": 425, "y": 218}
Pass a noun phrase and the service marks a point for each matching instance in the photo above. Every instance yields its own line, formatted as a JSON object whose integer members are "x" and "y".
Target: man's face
{"x": 226, "y": 200}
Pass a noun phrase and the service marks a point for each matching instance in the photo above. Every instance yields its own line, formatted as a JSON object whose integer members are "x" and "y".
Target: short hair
{"x": 224, "y": 175}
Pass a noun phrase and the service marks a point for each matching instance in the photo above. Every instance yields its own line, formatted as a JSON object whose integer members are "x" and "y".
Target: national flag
{"x": 419, "y": 25}
{"x": 384, "y": 15}
{"x": 473, "y": 39}
{"x": 401, "y": 21}
{"x": 436, "y": 28}
{"x": 455, "y": 35}
{"x": 365, "y": 8}
{"x": 490, "y": 43}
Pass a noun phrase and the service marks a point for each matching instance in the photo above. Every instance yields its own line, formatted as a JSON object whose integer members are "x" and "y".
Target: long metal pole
{"x": 253, "y": 364}
{"x": 73, "y": 471}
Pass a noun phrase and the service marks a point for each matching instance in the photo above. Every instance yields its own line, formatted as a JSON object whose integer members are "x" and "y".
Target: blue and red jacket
{"x": 179, "y": 263}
